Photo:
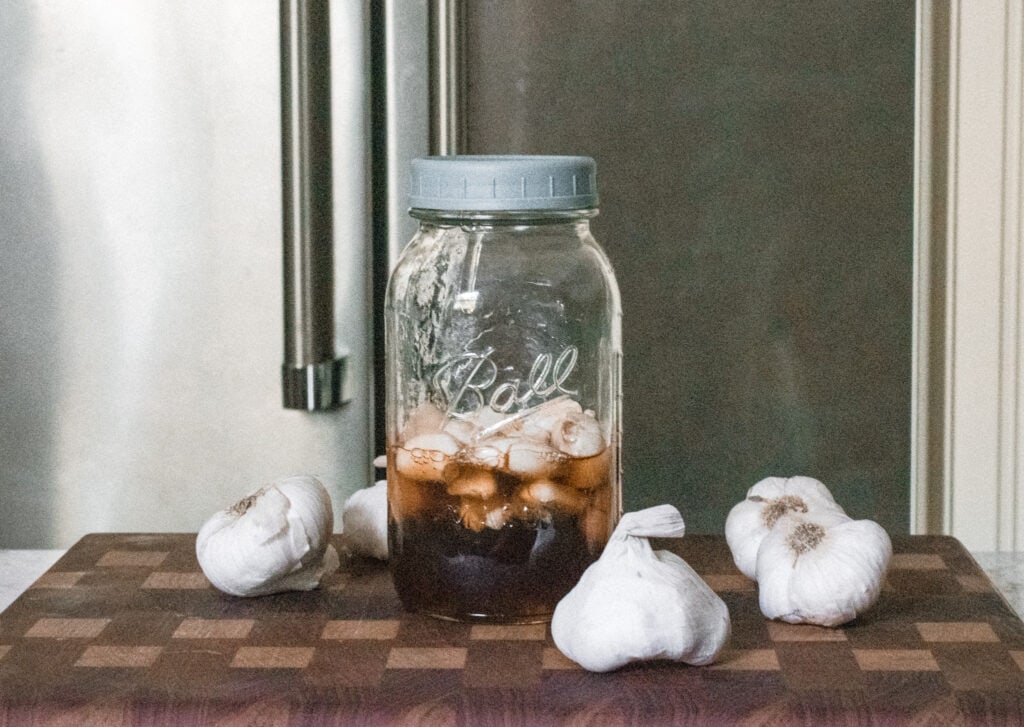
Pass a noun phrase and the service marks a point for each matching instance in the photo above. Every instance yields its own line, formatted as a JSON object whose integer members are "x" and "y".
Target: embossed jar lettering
{"x": 470, "y": 381}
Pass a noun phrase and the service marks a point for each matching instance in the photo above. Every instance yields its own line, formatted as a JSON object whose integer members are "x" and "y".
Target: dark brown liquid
{"x": 504, "y": 557}
{"x": 516, "y": 573}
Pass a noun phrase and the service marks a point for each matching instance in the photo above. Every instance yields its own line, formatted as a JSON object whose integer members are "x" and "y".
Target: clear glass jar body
{"x": 503, "y": 341}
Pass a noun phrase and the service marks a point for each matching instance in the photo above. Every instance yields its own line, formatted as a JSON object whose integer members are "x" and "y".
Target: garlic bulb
{"x": 635, "y": 603}
{"x": 544, "y": 419}
{"x": 276, "y": 539}
{"x": 364, "y": 521}
{"x": 425, "y": 456}
{"x": 821, "y": 568}
{"x": 579, "y": 435}
{"x": 752, "y": 519}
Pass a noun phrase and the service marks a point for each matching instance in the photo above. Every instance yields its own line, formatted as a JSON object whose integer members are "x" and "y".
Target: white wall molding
{"x": 969, "y": 338}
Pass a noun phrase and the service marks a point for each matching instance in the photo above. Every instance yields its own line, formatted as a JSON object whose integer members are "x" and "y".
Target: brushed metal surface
{"x": 401, "y": 132}
{"x": 312, "y": 377}
{"x": 405, "y": 119}
{"x": 140, "y": 265}
{"x": 447, "y": 76}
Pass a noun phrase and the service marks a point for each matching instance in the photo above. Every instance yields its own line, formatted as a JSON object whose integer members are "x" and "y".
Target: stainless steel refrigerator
{"x": 143, "y": 281}
{"x": 755, "y": 169}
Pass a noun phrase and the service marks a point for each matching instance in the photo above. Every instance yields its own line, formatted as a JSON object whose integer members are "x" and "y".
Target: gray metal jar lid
{"x": 503, "y": 183}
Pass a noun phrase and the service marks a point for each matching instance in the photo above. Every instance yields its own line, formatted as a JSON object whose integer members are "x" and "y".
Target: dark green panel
{"x": 755, "y": 165}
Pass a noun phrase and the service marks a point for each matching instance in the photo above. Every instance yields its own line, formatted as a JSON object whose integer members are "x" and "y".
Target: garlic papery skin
{"x": 751, "y": 519}
{"x": 636, "y": 604}
{"x": 275, "y": 539}
{"x": 364, "y": 521}
{"x": 821, "y": 568}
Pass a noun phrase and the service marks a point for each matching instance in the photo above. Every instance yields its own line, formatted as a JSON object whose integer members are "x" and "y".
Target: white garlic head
{"x": 364, "y": 521}
{"x": 753, "y": 518}
{"x": 275, "y": 539}
{"x": 542, "y": 421}
{"x": 821, "y": 568}
{"x": 579, "y": 435}
{"x": 636, "y": 604}
{"x": 425, "y": 456}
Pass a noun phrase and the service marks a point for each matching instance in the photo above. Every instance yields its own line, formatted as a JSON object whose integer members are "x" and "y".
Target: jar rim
{"x": 503, "y": 217}
{"x": 488, "y": 183}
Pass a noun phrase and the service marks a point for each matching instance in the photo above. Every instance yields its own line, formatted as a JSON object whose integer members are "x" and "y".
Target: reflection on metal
{"x": 140, "y": 259}
{"x": 402, "y": 117}
{"x": 400, "y": 133}
{"x": 311, "y": 374}
{"x": 447, "y": 77}
{"x": 929, "y": 508}
{"x": 316, "y": 386}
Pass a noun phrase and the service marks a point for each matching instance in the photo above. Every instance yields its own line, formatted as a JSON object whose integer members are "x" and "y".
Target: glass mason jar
{"x": 503, "y": 359}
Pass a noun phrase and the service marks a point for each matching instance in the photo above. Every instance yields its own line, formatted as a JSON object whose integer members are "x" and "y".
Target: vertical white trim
{"x": 982, "y": 438}
{"x": 1008, "y": 341}
{"x": 921, "y": 281}
{"x": 1013, "y": 236}
{"x": 976, "y": 364}
{"x": 1010, "y": 295}
{"x": 949, "y": 248}
{"x": 949, "y": 282}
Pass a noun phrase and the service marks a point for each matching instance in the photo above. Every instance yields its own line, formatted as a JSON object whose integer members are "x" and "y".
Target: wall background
{"x": 756, "y": 173}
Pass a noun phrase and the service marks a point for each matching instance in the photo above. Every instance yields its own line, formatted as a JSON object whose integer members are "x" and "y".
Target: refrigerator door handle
{"x": 447, "y": 76}
{"x": 312, "y": 375}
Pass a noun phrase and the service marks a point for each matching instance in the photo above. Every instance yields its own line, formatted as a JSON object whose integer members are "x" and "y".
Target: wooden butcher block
{"x": 125, "y": 629}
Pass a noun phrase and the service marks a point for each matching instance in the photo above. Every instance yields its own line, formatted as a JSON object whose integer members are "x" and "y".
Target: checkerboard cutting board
{"x": 125, "y": 629}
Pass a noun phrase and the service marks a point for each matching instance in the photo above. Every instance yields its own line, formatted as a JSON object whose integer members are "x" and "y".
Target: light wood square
{"x": 779, "y": 631}
{"x": 176, "y": 581}
{"x": 975, "y": 583}
{"x": 132, "y": 558}
{"x": 442, "y": 657}
{"x": 896, "y": 660}
{"x": 917, "y": 561}
{"x": 382, "y": 630}
{"x": 508, "y": 632}
{"x": 67, "y": 628}
{"x": 67, "y": 579}
{"x": 272, "y": 657}
{"x": 119, "y": 656}
{"x": 954, "y": 631}
{"x": 214, "y": 628}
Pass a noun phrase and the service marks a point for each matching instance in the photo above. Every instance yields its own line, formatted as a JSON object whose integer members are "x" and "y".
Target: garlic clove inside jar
{"x": 543, "y": 421}
{"x": 425, "y": 456}
{"x": 533, "y": 461}
{"x": 579, "y": 435}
